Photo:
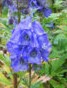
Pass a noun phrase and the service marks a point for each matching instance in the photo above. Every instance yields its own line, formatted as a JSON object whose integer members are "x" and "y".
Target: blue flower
{"x": 25, "y": 37}
{"x": 22, "y": 32}
{"x": 45, "y": 46}
{"x": 47, "y": 12}
{"x": 33, "y": 3}
{"x": 14, "y": 48}
{"x": 44, "y": 41}
{"x": 18, "y": 64}
{"x": 32, "y": 55}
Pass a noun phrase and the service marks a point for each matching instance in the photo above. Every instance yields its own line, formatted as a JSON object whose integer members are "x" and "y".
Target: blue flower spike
{"x": 29, "y": 43}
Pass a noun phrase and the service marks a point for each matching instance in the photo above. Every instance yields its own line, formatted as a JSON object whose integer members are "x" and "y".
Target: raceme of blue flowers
{"x": 29, "y": 43}
{"x": 39, "y": 5}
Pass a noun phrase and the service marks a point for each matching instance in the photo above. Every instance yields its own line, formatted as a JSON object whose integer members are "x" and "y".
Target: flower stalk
{"x": 19, "y": 14}
{"x": 29, "y": 76}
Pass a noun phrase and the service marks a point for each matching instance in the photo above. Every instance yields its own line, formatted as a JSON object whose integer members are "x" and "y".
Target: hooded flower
{"x": 47, "y": 12}
{"x": 45, "y": 46}
{"x": 22, "y": 32}
{"x": 14, "y": 49}
{"x": 37, "y": 28}
{"x": 32, "y": 55}
{"x": 18, "y": 63}
{"x": 26, "y": 37}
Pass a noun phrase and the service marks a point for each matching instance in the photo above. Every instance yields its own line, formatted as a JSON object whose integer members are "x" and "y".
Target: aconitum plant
{"x": 29, "y": 44}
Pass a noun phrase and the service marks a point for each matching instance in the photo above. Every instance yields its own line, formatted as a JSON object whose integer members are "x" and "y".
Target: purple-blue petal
{"x": 47, "y": 12}
{"x": 37, "y": 28}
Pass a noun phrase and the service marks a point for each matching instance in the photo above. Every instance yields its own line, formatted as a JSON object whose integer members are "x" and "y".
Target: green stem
{"x": 29, "y": 76}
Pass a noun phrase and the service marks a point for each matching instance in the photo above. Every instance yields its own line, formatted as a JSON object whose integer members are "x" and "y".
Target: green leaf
{"x": 5, "y": 59}
{"x": 54, "y": 53}
{"x": 4, "y": 80}
{"x": 58, "y": 4}
{"x": 56, "y": 84}
{"x": 56, "y": 65}
{"x": 61, "y": 42}
{"x": 55, "y": 16}
{"x": 5, "y": 12}
{"x": 44, "y": 69}
{"x": 37, "y": 85}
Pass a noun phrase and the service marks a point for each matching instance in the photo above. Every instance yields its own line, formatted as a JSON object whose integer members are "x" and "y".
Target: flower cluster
{"x": 29, "y": 44}
{"x": 25, "y": 6}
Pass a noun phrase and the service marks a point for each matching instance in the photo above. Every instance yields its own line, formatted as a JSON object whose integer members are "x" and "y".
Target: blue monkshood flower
{"x": 18, "y": 63}
{"x": 14, "y": 48}
{"x": 44, "y": 41}
{"x": 26, "y": 37}
{"x": 32, "y": 55}
{"x": 47, "y": 12}
{"x": 22, "y": 33}
{"x": 45, "y": 46}
{"x": 34, "y": 4}
{"x": 45, "y": 54}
